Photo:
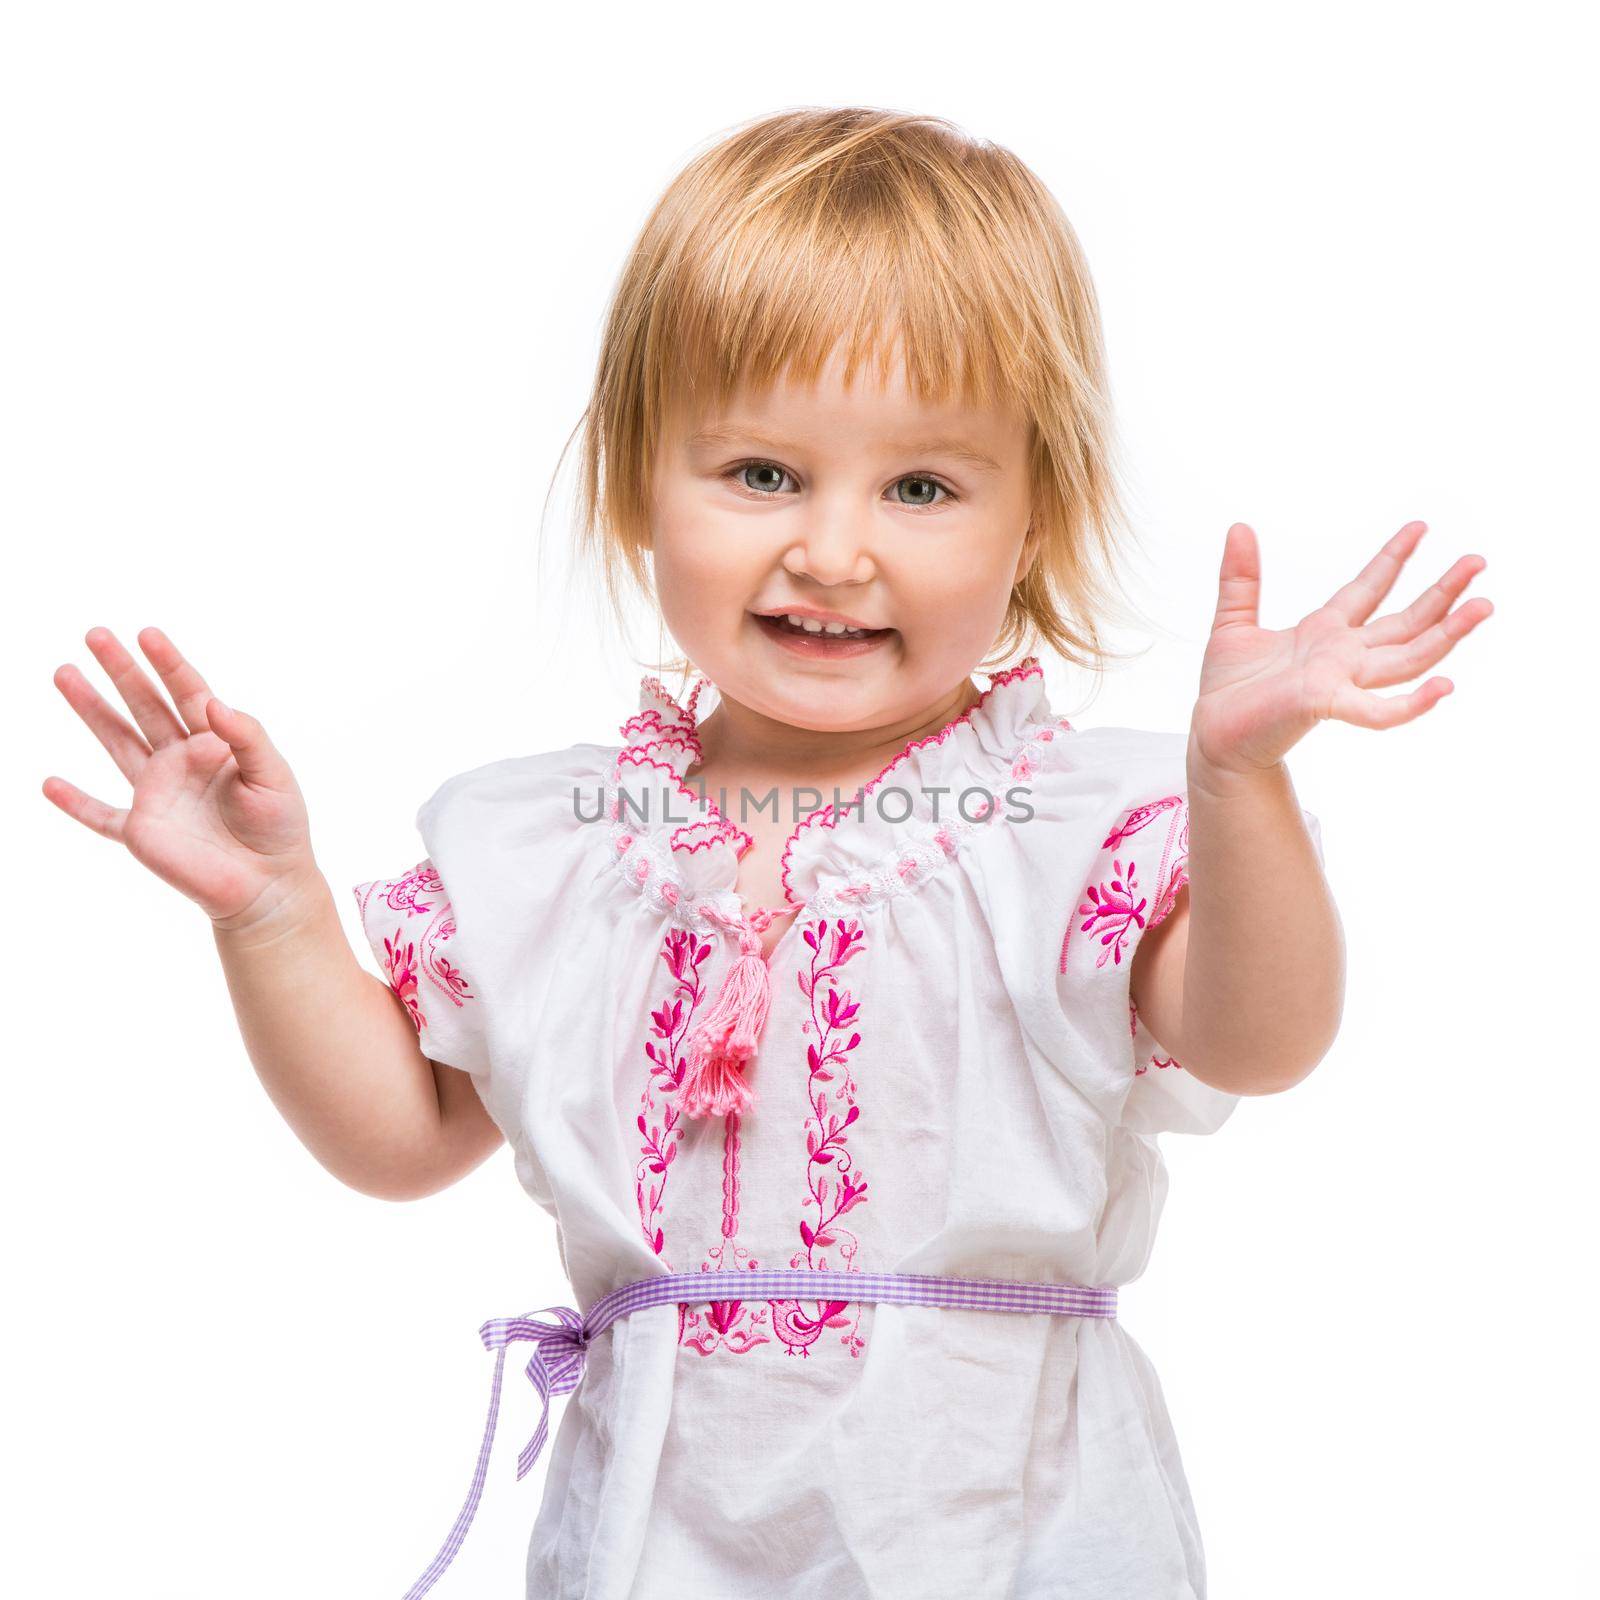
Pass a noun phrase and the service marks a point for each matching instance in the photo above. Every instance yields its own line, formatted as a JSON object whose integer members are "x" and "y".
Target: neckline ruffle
{"x": 897, "y": 827}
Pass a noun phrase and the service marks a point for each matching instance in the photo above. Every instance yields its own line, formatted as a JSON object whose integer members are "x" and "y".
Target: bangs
{"x": 870, "y": 256}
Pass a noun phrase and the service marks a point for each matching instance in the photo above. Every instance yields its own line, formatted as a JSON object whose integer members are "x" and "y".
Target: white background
{"x": 302, "y": 303}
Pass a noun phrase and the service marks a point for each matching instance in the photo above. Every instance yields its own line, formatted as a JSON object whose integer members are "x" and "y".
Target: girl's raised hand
{"x": 1263, "y": 689}
{"x": 215, "y": 810}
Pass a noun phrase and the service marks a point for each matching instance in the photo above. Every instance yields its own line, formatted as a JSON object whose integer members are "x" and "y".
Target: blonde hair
{"x": 815, "y": 227}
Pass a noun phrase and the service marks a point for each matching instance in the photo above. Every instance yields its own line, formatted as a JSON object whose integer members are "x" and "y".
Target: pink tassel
{"x": 714, "y": 1083}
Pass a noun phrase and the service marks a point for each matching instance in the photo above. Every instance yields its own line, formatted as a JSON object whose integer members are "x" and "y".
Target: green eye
{"x": 763, "y": 466}
{"x": 737, "y": 473}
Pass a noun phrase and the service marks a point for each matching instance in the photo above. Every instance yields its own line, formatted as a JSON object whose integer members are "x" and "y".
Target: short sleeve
{"x": 1165, "y": 1097}
{"x": 411, "y": 926}
{"x": 1139, "y": 870}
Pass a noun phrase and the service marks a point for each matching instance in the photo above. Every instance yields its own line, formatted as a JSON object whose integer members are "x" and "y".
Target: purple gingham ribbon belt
{"x": 559, "y": 1347}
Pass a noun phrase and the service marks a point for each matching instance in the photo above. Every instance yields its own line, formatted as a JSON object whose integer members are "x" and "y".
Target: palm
{"x": 221, "y": 822}
{"x": 1263, "y": 689}
{"x": 194, "y": 822}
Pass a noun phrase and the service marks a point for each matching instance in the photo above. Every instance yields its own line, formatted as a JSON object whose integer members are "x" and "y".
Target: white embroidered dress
{"x": 951, "y": 1080}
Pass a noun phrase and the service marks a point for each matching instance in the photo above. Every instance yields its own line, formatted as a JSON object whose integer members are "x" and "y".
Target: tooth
{"x": 797, "y": 621}
{"x": 834, "y": 627}
{"x": 811, "y": 625}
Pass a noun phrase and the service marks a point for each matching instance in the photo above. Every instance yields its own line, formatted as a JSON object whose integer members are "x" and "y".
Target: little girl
{"x": 831, "y": 1006}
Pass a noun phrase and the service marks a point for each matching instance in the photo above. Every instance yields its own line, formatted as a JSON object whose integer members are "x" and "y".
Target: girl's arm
{"x": 1255, "y": 1003}
{"x": 339, "y": 1056}
{"x": 216, "y": 812}
{"x": 1244, "y": 980}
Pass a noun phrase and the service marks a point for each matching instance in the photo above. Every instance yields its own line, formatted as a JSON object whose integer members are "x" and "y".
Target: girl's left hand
{"x": 1262, "y": 689}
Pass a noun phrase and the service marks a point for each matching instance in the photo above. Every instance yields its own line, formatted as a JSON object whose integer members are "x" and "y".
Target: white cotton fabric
{"x": 1006, "y": 1104}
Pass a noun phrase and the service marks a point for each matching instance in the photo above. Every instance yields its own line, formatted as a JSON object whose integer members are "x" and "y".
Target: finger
{"x": 188, "y": 689}
{"x": 1428, "y": 607}
{"x": 1239, "y": 581}
{"x": 1367, "y": 710}
{"x": 1359, "y": 598}
{"x": 120, "y": 738}
{"x": 1399, "y": 663}
{"x": 258, "y": 758}
{"x": 94, "y": 814}
{"x": 150, "y": 711}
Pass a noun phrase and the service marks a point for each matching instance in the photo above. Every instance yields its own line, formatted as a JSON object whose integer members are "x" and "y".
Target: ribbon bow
{"x": 554, "y": 1368}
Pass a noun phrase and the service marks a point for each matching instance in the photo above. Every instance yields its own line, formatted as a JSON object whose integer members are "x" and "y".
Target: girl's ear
{"x": 1030, "y": 553}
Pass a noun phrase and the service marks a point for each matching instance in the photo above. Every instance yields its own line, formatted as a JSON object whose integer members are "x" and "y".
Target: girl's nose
{"x": 832, "y": 549}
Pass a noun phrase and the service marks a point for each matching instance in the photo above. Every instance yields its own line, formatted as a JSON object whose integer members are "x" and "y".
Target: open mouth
{"x": 810, "y": 637}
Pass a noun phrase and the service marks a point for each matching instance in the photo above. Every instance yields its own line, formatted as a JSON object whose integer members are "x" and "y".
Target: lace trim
{"x": 644, "y": 850}
{"x": 824, "y": 816}
{"x": 652, "y": 722}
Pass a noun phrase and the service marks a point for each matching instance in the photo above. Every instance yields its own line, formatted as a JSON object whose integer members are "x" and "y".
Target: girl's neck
{"x": 736, "y": 738}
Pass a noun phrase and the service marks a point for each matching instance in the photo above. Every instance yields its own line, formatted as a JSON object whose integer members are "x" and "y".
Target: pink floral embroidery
{"x": 400, "y": 969}
{"x": 833, "y": 1185}
{"x": 1115, "y": 908}
{"x": 684, "y": 955}
{"x": 410, "y": 958}
{"x": 730, "y": 1325}
{"x": 1113, "y": 903}
{"x": 1141, "y": 817}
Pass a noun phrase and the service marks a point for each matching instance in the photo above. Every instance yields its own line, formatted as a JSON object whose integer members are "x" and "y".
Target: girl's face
{"x": 857, "y": 506}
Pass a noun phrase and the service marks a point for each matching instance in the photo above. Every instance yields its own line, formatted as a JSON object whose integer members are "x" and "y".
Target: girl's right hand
{"x": 215, "y": 811}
